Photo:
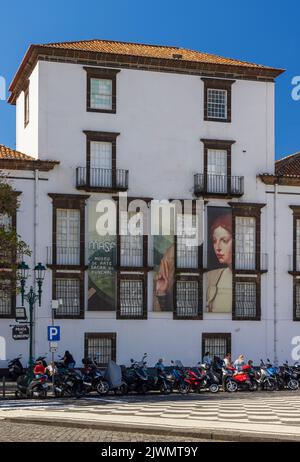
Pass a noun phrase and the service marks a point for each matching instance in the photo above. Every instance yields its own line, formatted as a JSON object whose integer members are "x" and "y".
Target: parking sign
{"x": 53, "y": 333}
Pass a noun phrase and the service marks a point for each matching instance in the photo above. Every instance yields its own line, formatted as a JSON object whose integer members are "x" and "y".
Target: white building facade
{"x": 102, "y": 118}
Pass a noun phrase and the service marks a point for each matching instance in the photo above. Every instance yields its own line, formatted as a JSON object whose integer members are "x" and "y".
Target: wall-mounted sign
{"x": 20, "y": 332}
{"x": 21, "y": 314}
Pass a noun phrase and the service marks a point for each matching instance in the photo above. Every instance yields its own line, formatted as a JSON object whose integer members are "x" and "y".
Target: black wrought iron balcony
{"x": 102, "y": 179}
{"x": 251, "y": 261}
{"x": 218, "y": 185}
{"x": 63, "y": 256}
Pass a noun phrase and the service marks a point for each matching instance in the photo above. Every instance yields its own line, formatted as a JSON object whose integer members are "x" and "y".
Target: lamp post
{"x": 31, "y": 297}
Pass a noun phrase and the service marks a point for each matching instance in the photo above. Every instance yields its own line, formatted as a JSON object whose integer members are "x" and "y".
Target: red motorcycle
{"x": 194, "y": 379}
{"x": 243, "y": 380}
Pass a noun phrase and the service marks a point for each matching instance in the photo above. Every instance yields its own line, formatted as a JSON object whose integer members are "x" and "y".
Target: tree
{"x": 12, "y": 247}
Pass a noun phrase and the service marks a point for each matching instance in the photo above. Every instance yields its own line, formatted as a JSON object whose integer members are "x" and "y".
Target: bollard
{"x": 3, "y": 387}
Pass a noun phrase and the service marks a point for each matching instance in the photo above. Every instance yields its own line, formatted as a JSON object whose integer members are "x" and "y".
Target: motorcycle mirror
{"x": 268, "y": 360}
{"x": 132, "y": 361}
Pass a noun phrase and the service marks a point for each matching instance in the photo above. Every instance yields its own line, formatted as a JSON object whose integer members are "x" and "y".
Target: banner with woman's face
{"x": 219, "y": 260}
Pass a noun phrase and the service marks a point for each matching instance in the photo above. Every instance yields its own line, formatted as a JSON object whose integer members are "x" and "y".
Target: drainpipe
{"x": 275, "y": 272}
{"x": 35, "y": 244}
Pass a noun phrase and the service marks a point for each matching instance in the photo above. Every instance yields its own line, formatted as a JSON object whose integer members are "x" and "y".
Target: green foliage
{"x": 12, "y": 247}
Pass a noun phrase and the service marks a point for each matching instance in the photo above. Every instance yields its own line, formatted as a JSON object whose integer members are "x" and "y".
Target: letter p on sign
{"x": 53, "y": 333}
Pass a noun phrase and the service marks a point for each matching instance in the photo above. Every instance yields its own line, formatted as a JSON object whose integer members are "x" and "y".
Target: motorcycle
{"x": 70, "y": 383}
{"x": 15, "y": 368}
{"x": 180, "y": 378}
{"x": 32, "y": 388}
{"x": 93, "y": 378}
{"x": 136, "y": 377}
{"x": 245, "y": 379}
{"x": 161, "y": 381}
{"x": 210, "y": 378}
{"x": 289, "y": 377}
{"x": 266, "y": 379}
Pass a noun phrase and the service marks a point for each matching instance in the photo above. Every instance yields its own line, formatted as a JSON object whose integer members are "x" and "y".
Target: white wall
{"x": 27, "y": 137}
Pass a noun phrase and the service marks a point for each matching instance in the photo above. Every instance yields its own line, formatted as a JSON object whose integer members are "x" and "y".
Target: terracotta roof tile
{"x": 152, "y": 51}
{"x": 289, "y": 165}
{"x": 8, "y": 153}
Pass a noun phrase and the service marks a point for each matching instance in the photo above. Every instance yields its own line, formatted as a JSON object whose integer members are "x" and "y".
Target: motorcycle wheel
{"x": 122, "y": 390}
{"x": 184, "y": 388}
{"x": 293, "y": 384}
{"x": 253, "y": 386}
{"x": 143, "y": 389}
{"x": 102, "y": 388}
{"x": 214, "y": 388}
{"x": 231, "y": 386}
{"x": 78, "y": 390}
{"x": 42, "y": 393}
{"x": 165, "y": 389}
{"x": 270, "y": 385}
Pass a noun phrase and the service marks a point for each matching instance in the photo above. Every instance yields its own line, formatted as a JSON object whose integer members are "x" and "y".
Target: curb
{"x": 209, "y": 434}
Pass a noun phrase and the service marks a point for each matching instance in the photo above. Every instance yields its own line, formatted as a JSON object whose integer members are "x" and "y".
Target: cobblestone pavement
{"x": 282, "y": 408}
{"x": 17, "y": 432}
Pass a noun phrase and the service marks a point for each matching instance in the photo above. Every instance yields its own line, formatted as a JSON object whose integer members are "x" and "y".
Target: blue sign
{"x": 53, "y": 333}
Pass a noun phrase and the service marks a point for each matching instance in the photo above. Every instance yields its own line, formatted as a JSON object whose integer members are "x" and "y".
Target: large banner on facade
{"x": 164, "y": 271}
{"x": 219, "y": 260}
{"x": 101, "y": 272}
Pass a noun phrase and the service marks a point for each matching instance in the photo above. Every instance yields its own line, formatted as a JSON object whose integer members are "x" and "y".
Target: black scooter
{"x": 31, "y": 388}
{"x": 15, "y": 368}
{"x": 136, "y": 377}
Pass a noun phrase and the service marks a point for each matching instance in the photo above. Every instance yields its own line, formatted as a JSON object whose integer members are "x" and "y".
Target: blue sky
{"x": 266, "y": 32}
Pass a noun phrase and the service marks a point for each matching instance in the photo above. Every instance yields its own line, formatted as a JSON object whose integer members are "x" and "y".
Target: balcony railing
{"x": 187, "y": 257}
{"x": 248, "y": 261}
{"x": 101, "y": 178}
{"x": 63, "y": 256}
{"x": 218, "y": 184}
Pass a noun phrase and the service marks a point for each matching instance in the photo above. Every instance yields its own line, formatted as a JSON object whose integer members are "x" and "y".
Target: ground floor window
{"x": 101, "y": 347}
{"x": 218, "y": 344}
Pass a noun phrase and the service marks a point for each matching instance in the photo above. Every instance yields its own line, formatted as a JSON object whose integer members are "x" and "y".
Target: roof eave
{"x": 33, "y": 52}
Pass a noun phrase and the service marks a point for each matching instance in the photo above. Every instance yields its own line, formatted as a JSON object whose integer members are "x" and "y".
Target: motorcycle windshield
{"x": 113, "y": 374}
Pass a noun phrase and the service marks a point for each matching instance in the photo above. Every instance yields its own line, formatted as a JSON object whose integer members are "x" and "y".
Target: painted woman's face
{"x": 222, "y": 242}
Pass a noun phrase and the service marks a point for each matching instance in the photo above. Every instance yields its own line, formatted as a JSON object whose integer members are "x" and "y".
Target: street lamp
{"x": 31, "y": 297}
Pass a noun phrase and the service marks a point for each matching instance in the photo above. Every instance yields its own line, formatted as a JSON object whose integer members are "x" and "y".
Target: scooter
{"x": 161, "y": 381}
{"x": 240, "y": 380}
{"x": 93, "y": 378}
{"x": 136, "y": 377}
{"x": 15, "y": 368}
{"x": 210, "y": 379}
{"x": 289, "y": 377}
{"x": 32, "y": 388}
{"x": 179, "y": 378}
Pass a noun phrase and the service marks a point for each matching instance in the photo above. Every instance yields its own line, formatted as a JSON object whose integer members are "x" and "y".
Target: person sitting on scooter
{"x": 68, "y": 360}
{"x": 207, "y": 359}
{"x": 160, "y": 365}
{"x": 239, "y": 363}
{"x": 39, "y": 369}
{"x": 227, "y": 363}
